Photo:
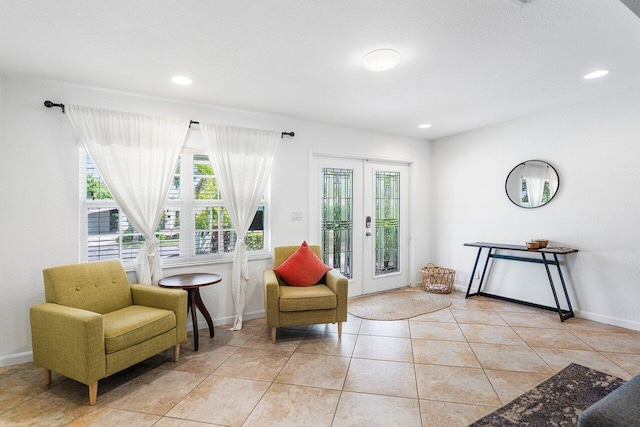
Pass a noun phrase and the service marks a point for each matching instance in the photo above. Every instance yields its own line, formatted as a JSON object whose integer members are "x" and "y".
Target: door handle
{"x": 368, "y": 233}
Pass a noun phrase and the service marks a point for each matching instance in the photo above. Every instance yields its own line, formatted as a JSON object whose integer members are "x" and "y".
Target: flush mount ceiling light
{"x": 519, "y": 2}
{"x": 381, "y": 60}
{"x": 596, "y": 74}
{"x": 181, "y": 80}
{"x": 424, "y": 126}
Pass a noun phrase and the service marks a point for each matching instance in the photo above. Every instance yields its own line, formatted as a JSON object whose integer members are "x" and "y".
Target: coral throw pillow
{"x": 303, "y": 268}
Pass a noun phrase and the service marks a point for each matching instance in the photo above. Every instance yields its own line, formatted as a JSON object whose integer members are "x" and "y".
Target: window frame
{"x": 186, "y": 204}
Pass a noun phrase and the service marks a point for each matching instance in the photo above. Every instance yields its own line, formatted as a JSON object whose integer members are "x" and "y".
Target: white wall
{"x": 595, "y": 149}
{"x": 39, "y": 191}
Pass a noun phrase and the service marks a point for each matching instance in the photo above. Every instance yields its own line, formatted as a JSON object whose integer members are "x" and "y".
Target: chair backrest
{"x": 101, "y": 287}
{"x": 281, "y": 253}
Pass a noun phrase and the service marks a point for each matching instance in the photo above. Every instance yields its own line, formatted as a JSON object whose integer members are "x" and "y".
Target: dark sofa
{"x": 621, "y": 407}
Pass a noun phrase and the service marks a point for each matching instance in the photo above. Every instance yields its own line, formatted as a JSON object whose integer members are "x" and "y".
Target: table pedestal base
{"x": 194, "y": 300}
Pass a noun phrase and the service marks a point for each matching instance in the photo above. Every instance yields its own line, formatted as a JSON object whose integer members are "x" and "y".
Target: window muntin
{"x": 214, "y": 232}
{"x": 209, "y": 237}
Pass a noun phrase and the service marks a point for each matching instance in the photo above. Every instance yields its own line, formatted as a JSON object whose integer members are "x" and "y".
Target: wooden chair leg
{"x": 339, "y": 329}
{"x": 176, "y": 353}
{"x": 273, "y": 335}
{"x": 93, "y": 392}
{"x": 47, "y": 376}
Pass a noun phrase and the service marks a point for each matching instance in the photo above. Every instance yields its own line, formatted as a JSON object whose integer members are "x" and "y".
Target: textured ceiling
{"x": 465, "y": 63}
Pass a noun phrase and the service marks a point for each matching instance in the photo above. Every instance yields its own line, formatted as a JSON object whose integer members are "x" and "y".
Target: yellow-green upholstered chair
{"x": 284, "y": 305}
{"x": 95, "y": 323}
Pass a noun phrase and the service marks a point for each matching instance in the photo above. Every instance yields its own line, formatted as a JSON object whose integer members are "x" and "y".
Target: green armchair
{"x": 285, "y": 305}
{"x": 95, "y": 323}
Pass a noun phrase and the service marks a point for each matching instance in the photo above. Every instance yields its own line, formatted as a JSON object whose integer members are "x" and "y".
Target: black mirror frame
{"x": 517, "y": 166}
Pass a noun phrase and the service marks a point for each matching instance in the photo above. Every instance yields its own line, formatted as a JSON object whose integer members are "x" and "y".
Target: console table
{"x": 492, "y": 253}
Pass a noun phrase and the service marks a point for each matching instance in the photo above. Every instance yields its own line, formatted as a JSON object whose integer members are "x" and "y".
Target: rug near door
{"x": 396, "y": 305}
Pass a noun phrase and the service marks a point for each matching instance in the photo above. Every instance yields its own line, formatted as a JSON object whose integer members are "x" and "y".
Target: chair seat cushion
{"x": 134, "y": 324}
{"x": 317, "y": 297}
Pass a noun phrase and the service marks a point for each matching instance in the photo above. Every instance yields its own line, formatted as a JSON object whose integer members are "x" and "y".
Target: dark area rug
{"x": 556, "y": 402}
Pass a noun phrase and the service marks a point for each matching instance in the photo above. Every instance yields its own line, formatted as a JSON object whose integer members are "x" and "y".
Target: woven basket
{"x": 437, "y": 279}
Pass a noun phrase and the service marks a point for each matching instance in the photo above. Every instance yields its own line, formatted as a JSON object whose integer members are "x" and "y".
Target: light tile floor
{"x": 440, "y": 369}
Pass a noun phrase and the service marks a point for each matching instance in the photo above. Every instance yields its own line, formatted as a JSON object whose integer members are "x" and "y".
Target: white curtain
{"x": 136, "y": 156}
{"x": 241, "y": 160}
{"x": 553, "y": 181}
{"x": 535, "y": 175}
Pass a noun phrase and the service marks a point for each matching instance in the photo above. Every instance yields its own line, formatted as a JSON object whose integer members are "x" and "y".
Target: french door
{"x": 359, "y": 215}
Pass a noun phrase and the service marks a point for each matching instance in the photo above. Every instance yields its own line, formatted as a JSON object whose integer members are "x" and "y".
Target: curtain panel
{"x": 242, "y": 159}
{"x": 136, "y": 156}
{"x": 535, "y": 175}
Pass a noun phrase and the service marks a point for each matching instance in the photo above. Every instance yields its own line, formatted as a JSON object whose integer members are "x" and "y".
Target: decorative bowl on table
{"x": 533, "y": 245}
{"x": 542, "y": 243}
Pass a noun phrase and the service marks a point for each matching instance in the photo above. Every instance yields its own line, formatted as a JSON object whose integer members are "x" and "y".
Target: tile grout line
{"x": 306, "y": 332}
{"x": 495, "y": 392}
{"x": 415, "y": 373}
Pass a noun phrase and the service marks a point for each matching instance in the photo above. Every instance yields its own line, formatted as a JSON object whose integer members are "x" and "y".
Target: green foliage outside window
{"x": 96, "y": 190}
{"x": 546, "y": 193}
{"x": 214, "y": 231}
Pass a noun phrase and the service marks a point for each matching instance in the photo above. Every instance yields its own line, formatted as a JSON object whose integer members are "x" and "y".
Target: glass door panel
{"x": 387, "y": 220}
{"x": 337, "y": 219}
{"x": 387, "y": 249}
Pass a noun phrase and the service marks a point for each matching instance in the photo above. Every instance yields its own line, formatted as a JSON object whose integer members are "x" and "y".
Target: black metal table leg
{"x": 563, "y": 315}
{"x": 569, "y": 314}
{"x": 484, "y": 271}
{"x": 473, "y": 273}
{"x": 553, "y": 288}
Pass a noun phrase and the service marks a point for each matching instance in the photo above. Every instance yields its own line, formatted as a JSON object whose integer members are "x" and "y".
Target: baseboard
{"x": 16, "y": 359}
{"x": 202, "y": 324}
{"x": 27, "y": 356}
{"x": 609, "y": 320}
{"x": 601, "y": 318}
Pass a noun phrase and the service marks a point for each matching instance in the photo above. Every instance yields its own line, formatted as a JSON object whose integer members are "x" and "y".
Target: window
{"x": 194, "y": 228}
{"x": 546, "y": 192}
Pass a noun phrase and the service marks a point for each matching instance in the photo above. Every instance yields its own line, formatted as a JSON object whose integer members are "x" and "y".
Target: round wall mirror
{"x": 532, "y": 184}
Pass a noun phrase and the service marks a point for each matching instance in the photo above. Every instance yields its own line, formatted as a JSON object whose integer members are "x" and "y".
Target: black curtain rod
{"x": 50, "y": 104}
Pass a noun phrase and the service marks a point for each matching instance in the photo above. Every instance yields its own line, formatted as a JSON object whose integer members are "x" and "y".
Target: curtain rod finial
{"x": 50, "y": 104}
{"x": 291, "y": 134}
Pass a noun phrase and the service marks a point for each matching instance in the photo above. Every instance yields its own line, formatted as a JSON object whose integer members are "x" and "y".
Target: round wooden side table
{"x": 192, "y": 282}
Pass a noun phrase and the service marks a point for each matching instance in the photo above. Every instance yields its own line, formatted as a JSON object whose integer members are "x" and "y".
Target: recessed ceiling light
{"x": 596, "y": 74}
{"x": 381, "y": 60}
{"x": 181, "y": 80}
{"x": 424, "y": 126}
